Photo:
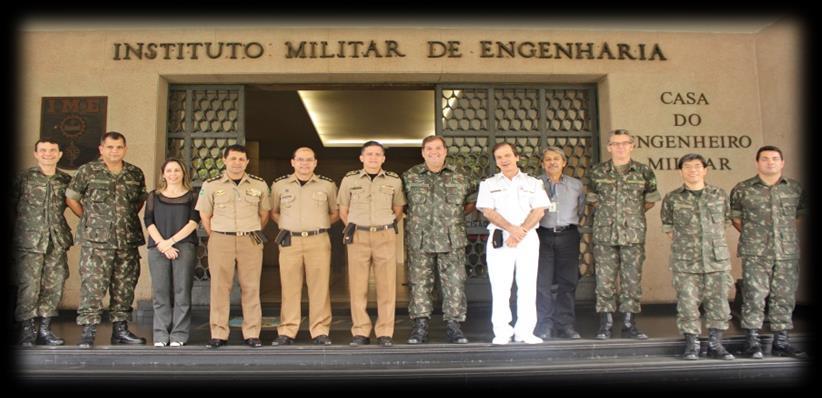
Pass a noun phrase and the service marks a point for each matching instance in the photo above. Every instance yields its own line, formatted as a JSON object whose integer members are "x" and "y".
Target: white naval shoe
{"x": 529, "y": 339}
{"x": 501, "y": 340}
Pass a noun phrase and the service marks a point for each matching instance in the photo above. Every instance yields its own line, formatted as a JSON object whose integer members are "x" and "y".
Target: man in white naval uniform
{"x": 514, "y": 203}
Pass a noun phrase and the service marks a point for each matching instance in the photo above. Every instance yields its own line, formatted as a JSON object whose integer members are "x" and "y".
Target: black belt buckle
{"x": 563, "y": 228}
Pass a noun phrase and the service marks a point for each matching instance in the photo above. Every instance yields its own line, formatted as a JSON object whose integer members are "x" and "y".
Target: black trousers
{"x": 558, "y": 264}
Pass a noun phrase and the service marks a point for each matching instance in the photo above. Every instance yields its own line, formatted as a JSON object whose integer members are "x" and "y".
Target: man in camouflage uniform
{"x": 622, "y": 190}
{"x": 765, "y": 209}
{"x": 41, "y": 239}
{"x": 435, "y": 240}
{"x": 109, "y": 193}
{"x": 695, "y": 216}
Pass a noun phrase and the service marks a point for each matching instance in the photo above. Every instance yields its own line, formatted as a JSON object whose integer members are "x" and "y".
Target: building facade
{"x": 190, "y": 89}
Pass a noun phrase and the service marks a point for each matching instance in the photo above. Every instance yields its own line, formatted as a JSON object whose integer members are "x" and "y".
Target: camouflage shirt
{"x": 110, "y": 205}
{"x": 435, "y": 223}
{"x": 768, "y": 217}
{"x": 619, "y": 215}
{"x": 40, "y": 204}
{"x": 698, "y": 223}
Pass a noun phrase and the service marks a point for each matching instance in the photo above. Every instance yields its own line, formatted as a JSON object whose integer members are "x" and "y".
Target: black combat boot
{"x": 629, "y": 329}
{"x": 44, "y": 334}
{"x": 419, "y": 333}
{"x": 752, "y": 346}
{"x": 87, "y": 338}
{"x": 121, "y": 335}
{"x": 691, "y": 347}
{"x": 606, "y": 322}
{"x": 28, "y": 332}
{"x": 454, "y": 333}
{"x": 715, "y": 348}
{"x": 783, "y": 348}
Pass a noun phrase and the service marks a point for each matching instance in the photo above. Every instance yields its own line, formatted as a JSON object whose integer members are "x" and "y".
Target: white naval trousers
{"x": 503, "y": 264}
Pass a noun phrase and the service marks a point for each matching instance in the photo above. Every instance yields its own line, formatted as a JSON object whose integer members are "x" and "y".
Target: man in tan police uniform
{"x": 304, "y": 205}
{"x": 234, "y": 209}
{"x": 371, "y": 202}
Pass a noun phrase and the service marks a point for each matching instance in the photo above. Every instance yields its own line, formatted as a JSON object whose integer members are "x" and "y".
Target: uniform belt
{"x": 375, "y": 228}
{"x": 310, "y": 233}
{"x": 560, "y": 229}
{"x": 236, "y": 233}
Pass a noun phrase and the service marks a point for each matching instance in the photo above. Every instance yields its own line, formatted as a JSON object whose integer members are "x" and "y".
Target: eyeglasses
{"x": 303, "y": 159}
{"x": 624, "y": 143}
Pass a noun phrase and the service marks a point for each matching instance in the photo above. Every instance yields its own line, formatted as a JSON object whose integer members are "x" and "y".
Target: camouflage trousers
{"x": 40, "y": 278}
{"x": 762, "y": 276}
{"x": 624, "y": 262}
{"x": 709, "y": 289}
{"x": 101, "y": 270}
{"x": 451, "y": 269}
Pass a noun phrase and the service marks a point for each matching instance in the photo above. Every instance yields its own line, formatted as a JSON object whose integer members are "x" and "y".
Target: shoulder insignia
{"x": 280, "y": 178}
{"x": 214, "y": 178}
{"x": 324, "y": 178}
{"x": 352, "y": 173}
{"x": 392, "y": 174}
{"x": 253, "y": 177}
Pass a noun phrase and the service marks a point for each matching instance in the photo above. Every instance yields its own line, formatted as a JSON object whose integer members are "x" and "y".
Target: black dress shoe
{"x": 385, "y": 341}
{"x": 283, "y": 340}
{"x": 547, "y": 334}
{"x": 216, "y": 343}
{"x": 253, "y": 342}
{"x": 359, "y": 340}
{"x": 567, "y": 333}
{"x": 322, "y": 340}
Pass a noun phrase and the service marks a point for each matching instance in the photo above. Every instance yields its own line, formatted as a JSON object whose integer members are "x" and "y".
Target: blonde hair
{"x": 186, "y": 179}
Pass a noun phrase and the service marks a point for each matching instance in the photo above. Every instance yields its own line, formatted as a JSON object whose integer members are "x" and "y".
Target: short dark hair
{"x": 46, "y": 141}
{"x": 372, "y": 143}
{"x": 620, "y": 132}
{"x": 235, "y": 148}
{"x": 433, "y": 138}
{"x": 689, "y": 157}
{"x": 114, "y": 136}
{"x": 769, "y": 148}
{"x": 502, "y": 144}
{"x": 303, "y": 148}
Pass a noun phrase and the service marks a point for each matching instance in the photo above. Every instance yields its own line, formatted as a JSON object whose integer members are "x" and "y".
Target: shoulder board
{"x": 324, "y": 178}
{"x": 392, "y": 174}
{"x": 280, "y": 178}
{"x": 352, "y": 173}
{"x": 214, "y": 178}
{"x": 253, "y": 177}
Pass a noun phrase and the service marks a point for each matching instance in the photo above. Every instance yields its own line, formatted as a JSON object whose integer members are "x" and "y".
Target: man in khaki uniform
{"x": 371, "y": 202}
{"x": 234, "y": 209}
{"x": 304, "y": 205}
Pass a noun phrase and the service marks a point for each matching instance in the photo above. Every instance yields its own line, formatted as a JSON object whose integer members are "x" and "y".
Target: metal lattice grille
{"x": 202, "y": 122}
{"x": 531, "y": 118}
{"x": 516, "y": 110}
{"x": 566, "y": 110}
{"x": 464, "y": 110}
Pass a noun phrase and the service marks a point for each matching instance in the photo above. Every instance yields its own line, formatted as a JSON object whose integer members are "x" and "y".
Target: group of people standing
{"x": 533, "y": 239}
